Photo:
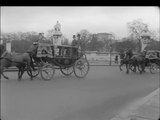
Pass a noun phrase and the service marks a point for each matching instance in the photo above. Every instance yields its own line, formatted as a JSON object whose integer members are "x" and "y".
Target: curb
{"x": 129, "y": 112}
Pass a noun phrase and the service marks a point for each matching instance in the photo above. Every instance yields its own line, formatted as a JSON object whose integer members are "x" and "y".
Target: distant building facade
{"x": 105, "y": 36}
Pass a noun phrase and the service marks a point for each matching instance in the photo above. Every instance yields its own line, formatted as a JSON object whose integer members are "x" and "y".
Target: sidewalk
{"x": 146, "y": 109}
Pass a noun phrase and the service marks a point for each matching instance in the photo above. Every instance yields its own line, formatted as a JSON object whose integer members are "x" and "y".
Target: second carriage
{"x": 68, "y": 59}
{"x": 151, "y": 61}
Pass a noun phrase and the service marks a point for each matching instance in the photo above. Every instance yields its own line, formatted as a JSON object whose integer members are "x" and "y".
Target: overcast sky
{"x": 73, "y": 19}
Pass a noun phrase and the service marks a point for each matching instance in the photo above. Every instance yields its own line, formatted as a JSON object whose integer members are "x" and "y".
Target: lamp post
{"x": 110, "y": 62}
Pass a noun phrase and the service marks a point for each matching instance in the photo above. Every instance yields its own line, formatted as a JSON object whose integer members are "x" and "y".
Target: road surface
{"x": 103, "y": 93}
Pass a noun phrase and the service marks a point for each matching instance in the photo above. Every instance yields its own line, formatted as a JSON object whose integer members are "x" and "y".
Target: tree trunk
{"x": 139, "y": 45}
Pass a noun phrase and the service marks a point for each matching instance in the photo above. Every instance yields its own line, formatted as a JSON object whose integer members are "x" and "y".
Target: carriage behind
{"x": 151, "y": 61}
{"x": 153, "y": 58}
{"x": 68, "y": 59}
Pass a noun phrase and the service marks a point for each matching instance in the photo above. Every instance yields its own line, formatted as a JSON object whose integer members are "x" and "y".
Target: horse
{"x": 125, "y": 59}
{"x": 20, "y": 60}
{"x": 140, "y": 61}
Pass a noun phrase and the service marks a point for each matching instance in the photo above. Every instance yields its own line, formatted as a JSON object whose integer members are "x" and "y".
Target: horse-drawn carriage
{"x": 153, "y": 61}
{"x": 67, "y": 58}
{"x": 44, "y": 58}
{"x": 149, "y": 59}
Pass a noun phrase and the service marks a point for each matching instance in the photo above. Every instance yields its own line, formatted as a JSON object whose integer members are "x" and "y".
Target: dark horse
{"x": 133, "y": 61}
{"x": 125, "y": 60}
{"x": 140, "y": 61}
{"x": 20, "y": 60}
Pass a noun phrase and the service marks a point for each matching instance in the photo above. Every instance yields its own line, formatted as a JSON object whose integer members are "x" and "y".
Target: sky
{"x": 73, "y": 19}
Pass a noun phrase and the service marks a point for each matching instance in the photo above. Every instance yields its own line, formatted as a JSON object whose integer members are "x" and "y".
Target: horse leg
{"x": 120, "y": 66}
{"x": 20, "y": 72}
{"x": 127, "y": 68}
{"x": 140, "y": 68}
{"x": 134, "y": 66}
{"x": 19, "y": 75}
{"x": 143, "y": 67}
{"x": 30, "y": 70}
{"x": 32, "y": 64}
{"x": 5, "y": 76}
{"x": 1, "y": 73}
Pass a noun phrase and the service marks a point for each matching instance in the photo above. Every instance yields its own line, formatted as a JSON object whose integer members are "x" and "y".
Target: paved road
{"x": 102, "y": 94}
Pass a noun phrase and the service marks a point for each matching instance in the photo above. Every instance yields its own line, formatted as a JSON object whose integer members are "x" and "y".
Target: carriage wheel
{"x": 81, "y": 68}
{"x": 66, "y": 71}
{"x": 154, "y": 68}
{"x": 47, "y": 72}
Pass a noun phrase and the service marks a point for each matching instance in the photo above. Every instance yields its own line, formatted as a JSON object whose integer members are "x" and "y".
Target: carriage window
{"x": 67, "y": 51}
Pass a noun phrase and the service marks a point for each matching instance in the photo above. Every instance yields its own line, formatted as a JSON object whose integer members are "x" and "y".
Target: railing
{"x": 103, "y": 58}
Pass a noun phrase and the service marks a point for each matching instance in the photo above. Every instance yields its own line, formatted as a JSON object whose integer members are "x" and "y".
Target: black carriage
{"x": 153, "y": 61}
{"x": 68, "y": 59}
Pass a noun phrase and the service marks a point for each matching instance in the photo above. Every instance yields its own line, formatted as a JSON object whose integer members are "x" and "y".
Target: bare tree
{"x": 135, "y": 29}
{"x": 84, "y": 38}
{"x": 155, "y": 35}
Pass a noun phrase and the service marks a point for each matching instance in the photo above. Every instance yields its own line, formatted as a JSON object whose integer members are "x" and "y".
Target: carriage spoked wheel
{"x": 67, "y": 70}
{"x": 47, "y": 71}
{"x": 81, "y": 68}
{"x": 154, "y": 68}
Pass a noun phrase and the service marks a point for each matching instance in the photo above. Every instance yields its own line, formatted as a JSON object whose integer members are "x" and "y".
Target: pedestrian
{"x": 116, "y": 59}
